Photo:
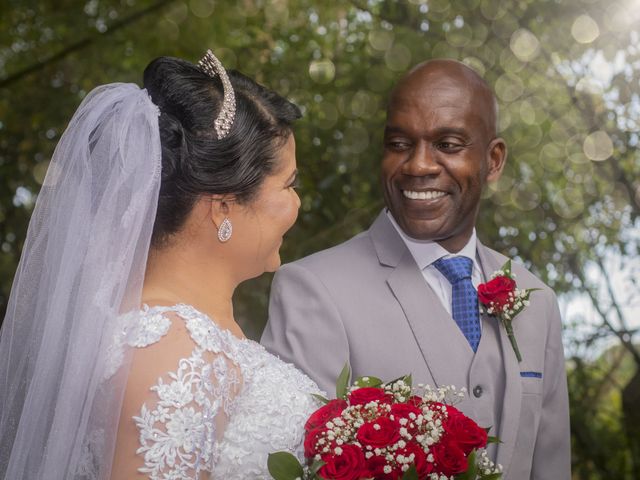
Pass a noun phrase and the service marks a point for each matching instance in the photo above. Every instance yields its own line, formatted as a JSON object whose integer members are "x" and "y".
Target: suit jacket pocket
{"x": 531, "y": 384}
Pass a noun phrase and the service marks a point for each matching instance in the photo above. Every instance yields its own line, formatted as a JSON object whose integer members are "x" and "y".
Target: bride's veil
{"x": 81, "y": 269}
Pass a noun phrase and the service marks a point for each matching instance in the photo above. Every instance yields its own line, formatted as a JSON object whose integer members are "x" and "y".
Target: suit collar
{"x": 425, "y": 252}
{"x": 387, "y": 242}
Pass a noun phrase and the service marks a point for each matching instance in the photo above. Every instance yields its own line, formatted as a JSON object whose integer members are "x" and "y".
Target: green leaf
{"x": 367, "y": 382}
{"x": 491, "y": 476}
{"x": 405, "y": 378}
{"x": 411, "y": 474}
{"x": 320, "y": 398}
{"x": 506, "y": 268}
{"x": 472, "y": 469}
{"x": 284, "y": 466}
{"x": 343, "y": 381}
{"x": 492, "y": 439}
{"x": 315, "y": 466}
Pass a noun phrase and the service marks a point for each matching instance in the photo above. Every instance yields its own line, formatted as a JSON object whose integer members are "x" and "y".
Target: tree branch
{"x": 626, "y": 342}
{"x": 83, "y": 43}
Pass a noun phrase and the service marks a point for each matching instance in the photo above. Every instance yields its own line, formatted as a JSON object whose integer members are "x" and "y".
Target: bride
{"x": 119, "y": 355}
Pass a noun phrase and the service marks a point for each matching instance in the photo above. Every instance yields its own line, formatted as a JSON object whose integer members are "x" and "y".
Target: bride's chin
{"x": 273, "y": 264}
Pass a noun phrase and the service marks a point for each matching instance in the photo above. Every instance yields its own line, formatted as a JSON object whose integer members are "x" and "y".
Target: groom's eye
{"x": 450, "y": 146}
{"x": 397, "y": 145}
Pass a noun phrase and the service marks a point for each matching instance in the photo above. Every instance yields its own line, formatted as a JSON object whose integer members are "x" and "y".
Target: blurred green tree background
{"x": 567, "y": 76}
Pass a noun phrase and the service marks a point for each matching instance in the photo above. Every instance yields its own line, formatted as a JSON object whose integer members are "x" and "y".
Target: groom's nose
{"x": 422, "y": 161}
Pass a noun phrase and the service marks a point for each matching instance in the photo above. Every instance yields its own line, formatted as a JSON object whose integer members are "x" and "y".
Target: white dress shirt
{"x": 425, "y": 252}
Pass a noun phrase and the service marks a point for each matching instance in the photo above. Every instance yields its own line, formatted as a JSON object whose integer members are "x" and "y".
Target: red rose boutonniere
{"x": 501, "y": 298}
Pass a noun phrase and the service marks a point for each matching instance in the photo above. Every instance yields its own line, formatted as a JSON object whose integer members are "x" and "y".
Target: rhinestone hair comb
{"x": 210, "y": 65}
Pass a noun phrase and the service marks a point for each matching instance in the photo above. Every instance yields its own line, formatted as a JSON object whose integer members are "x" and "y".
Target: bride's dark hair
{"x": 194, "y": 161}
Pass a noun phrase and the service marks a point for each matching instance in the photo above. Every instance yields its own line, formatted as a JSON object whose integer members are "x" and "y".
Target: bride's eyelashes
{"x": 295, "y": 184}
{"x": 294, "y": 181}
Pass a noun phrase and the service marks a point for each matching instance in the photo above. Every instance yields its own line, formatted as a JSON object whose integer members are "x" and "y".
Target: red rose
{"x": 380, "y": 432}
{"x": 453, "y": 412}
{"x": 496, "y": 291}
{"x": 404, "y": 410}
{"x": 466, "y": 433}
{"x": 423, "y": 467}
{"x": 348, "y": 465}
{"x": 375, "y": 469}
{"x": 311, "y": 442}
{"x": 449, "y": 457}
{"x": 320, "y": 417}
{"x": 415, "y": 400}
{"x": 364, "y": 395}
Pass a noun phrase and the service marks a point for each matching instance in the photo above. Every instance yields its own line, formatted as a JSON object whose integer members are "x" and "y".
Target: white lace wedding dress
{"x": 223, "y": 409}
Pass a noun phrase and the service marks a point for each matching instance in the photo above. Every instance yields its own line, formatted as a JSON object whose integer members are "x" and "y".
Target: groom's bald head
{"x": 432, "y": 76}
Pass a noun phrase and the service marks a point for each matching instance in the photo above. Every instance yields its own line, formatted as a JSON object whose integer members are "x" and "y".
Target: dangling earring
{"x": 225, "y": 230}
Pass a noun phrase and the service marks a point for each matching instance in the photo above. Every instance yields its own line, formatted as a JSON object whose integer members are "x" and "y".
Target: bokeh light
{"x": 598, "y": 146}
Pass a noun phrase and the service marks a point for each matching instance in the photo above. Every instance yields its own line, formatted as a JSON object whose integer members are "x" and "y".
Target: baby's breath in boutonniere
{"x": 501, "y": 298}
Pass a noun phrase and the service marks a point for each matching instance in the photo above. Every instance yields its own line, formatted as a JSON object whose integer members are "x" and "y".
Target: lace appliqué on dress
{"x": 176, "y": 435}
{"x": 136, "y": 329}
{"x": 263, "y": 401}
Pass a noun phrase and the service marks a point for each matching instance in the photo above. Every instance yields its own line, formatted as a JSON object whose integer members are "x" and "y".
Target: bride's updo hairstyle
{"x": 194, "y": 161}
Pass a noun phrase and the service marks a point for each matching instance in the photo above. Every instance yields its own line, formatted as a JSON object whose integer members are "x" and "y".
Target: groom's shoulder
{"x": 524, "y": 277}
{"x": 356, "y": 251}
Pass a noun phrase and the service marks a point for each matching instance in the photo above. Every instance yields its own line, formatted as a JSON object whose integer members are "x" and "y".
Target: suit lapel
{"x": 510, "y": 418}
{"x": 424, "y": 312}
{"x": 428, "y": 321}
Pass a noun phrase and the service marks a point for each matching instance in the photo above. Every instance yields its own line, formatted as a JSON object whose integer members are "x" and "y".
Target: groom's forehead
{"x": 446, "y": 83}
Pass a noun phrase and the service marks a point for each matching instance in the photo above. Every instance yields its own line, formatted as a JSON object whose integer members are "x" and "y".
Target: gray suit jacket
{"x": 365, "y": 301}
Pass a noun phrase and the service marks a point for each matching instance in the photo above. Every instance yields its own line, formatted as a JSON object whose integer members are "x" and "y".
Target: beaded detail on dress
{"x": 225, "y": 407}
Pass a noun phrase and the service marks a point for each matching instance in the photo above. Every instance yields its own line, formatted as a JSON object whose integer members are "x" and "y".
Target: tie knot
{"x": 455, "y": 268}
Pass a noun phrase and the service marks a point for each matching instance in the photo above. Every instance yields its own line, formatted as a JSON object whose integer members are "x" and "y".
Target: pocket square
{"x": 531, "y": 374}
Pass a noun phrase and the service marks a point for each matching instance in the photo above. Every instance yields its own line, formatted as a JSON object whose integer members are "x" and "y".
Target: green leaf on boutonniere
{"x": 367, "y": 382}
{"x": 411, "y": 474}
{"x": 343, "y": 382}
{"x": 506, "y": 268}
{"x": 491, "y": 439}
{"x": 284, "y": 466}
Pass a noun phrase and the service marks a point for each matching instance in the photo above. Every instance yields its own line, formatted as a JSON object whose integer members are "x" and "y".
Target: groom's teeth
{"x": 428, "y": 195}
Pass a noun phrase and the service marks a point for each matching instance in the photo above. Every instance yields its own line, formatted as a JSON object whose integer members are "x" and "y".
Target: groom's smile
{"x": 423, "y": 195}
{"x": 440, "y": 150}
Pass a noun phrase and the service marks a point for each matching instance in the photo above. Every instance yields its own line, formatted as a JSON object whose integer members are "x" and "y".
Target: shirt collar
{"x": 425, "y": 252}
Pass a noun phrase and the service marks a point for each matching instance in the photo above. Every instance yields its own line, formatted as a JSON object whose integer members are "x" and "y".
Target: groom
{"x": 388, "y": 300}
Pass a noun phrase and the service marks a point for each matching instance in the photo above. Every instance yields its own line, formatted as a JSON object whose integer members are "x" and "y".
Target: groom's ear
{"x": 496, "y": 159}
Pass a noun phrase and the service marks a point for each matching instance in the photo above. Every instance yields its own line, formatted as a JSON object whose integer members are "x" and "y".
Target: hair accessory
{"x": 225, "y": 230}
{"x": 210, "y": 65}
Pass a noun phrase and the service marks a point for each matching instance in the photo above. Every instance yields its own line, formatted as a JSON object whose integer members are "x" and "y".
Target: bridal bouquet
{"x": 376, "y": 430}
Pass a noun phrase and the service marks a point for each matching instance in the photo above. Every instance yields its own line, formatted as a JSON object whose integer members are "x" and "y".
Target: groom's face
{"x": 439, "y": 151}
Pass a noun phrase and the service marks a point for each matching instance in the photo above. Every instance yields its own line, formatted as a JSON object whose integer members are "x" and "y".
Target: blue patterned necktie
{"x": 464, "y": 298}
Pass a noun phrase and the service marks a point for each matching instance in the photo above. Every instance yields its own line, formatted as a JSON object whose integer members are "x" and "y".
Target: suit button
{"x": 477, "y": 391}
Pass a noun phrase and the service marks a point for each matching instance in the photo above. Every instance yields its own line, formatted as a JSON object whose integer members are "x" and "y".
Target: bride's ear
{"x": 221, "y": 208}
